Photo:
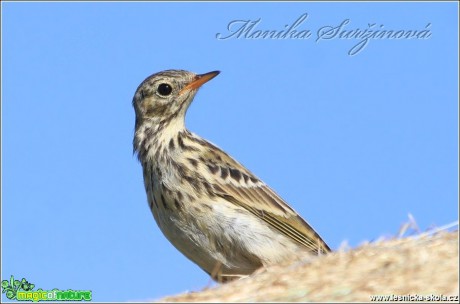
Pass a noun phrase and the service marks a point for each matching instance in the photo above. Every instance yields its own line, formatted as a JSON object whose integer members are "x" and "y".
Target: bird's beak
{"x": 198, "y": 81}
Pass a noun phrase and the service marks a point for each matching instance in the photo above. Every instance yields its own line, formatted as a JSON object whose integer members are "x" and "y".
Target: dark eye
{"x": 164, "y": 89}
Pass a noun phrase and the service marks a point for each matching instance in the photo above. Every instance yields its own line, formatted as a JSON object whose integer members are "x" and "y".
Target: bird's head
{"x": 166, "y": 96}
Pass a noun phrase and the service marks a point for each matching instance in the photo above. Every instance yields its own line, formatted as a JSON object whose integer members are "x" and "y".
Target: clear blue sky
{"x": 353, "y": 143}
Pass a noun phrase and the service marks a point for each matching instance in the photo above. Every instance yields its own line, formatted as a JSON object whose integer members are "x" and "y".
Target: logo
{"x": 24, "y": 291}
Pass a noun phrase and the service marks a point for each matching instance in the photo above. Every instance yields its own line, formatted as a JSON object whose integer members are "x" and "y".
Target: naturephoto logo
{"x": 296, "y": 30}
{"x": 24, "y": 291}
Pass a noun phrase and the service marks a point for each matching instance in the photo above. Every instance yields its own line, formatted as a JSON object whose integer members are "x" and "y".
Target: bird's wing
{"x": 236, "y": 184}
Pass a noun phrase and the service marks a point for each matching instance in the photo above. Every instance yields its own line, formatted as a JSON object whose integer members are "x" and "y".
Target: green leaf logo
{"x": 12, "y": 287}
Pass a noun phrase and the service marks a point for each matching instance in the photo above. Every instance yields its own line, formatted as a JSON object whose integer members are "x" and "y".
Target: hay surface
{"x": 421, "y": 265}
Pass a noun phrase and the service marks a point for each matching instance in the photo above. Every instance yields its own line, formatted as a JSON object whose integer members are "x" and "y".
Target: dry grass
{"x": 424, "y": 264}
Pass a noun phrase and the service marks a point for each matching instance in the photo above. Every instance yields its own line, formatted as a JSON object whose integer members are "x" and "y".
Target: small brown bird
{"x": 208, "y": 205}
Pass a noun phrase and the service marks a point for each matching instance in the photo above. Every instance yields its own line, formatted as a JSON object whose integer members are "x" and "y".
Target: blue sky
{"x": 353, "y": 143}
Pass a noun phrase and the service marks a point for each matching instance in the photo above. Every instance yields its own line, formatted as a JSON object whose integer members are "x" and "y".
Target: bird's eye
{"x": 164, "y": 89}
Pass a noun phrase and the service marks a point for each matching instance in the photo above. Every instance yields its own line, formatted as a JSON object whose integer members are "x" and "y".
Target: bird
{"x": 207, "y": 204}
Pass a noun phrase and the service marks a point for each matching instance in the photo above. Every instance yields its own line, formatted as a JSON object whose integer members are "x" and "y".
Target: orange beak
{"x": 199, "y": 80}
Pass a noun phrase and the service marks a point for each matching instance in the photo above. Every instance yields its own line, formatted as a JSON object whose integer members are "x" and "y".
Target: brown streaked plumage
{"x": 209, "y": 206}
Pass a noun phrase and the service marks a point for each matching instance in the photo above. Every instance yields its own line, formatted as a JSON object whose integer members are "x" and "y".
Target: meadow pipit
{"x": 208, "y": 205}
